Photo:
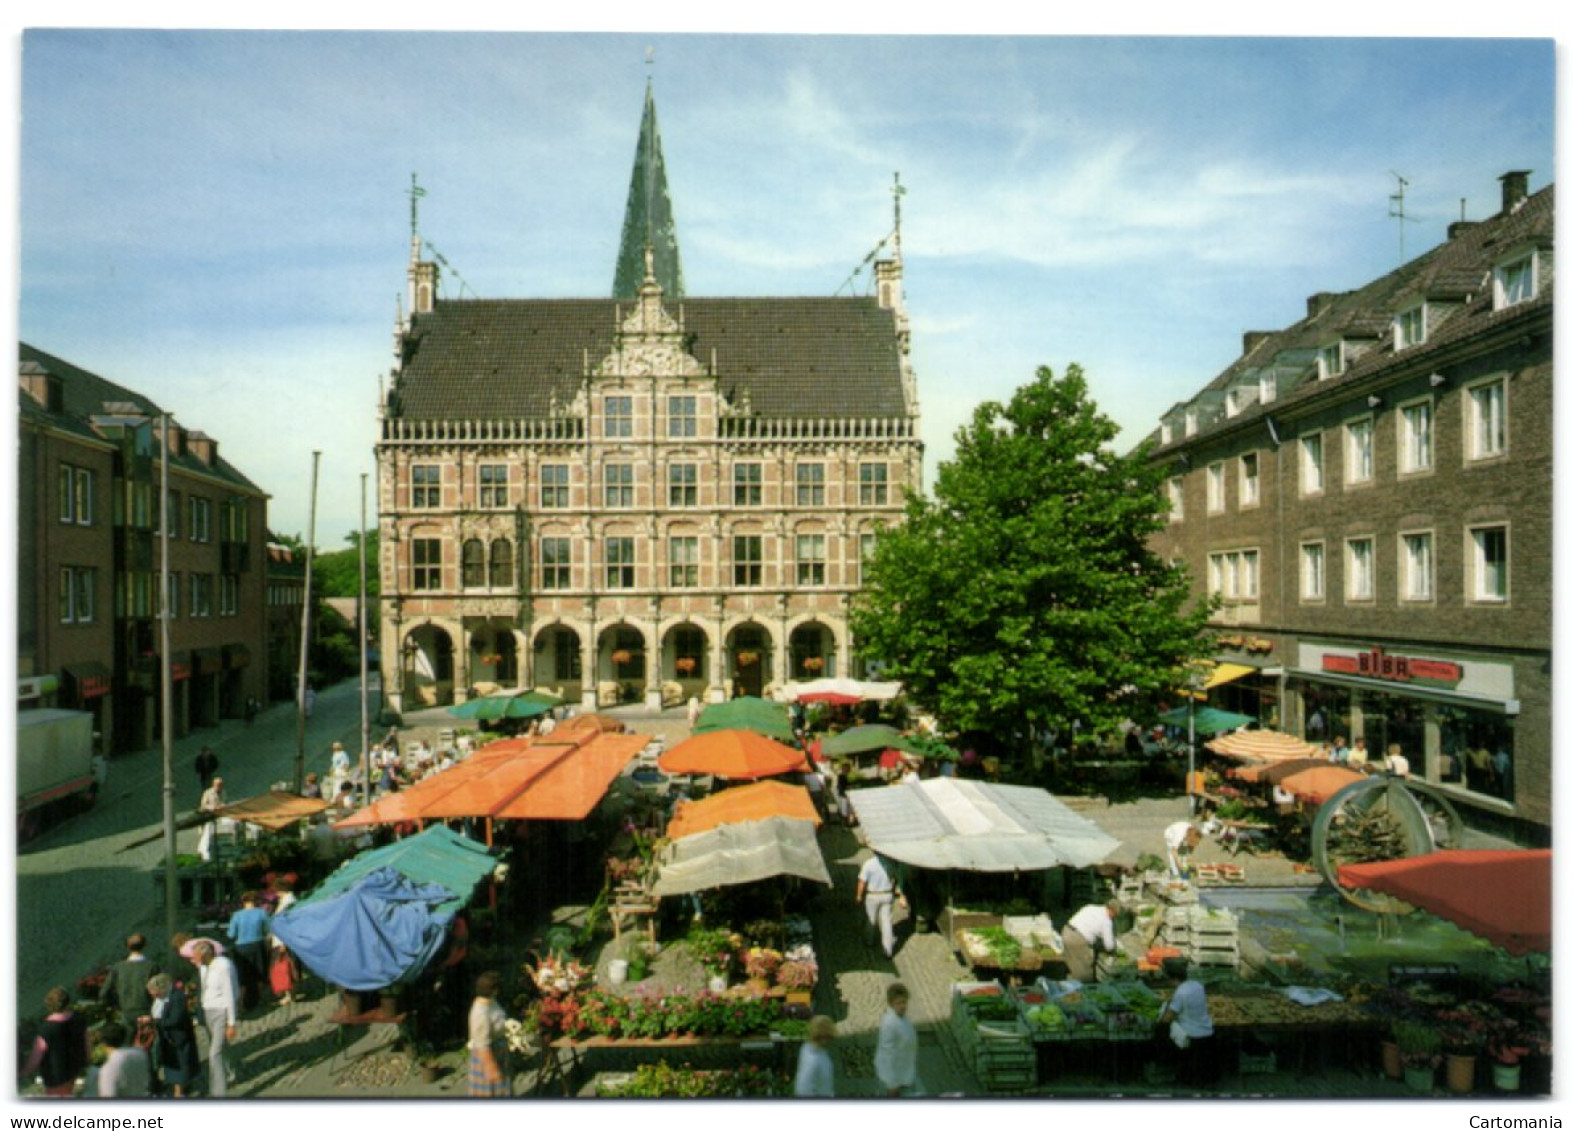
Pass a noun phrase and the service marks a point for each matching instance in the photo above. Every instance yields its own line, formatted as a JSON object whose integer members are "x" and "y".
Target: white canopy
{"x": 740, "y": 854}
{"x": 860, "y": 688}
{"x": 977, "y": 827}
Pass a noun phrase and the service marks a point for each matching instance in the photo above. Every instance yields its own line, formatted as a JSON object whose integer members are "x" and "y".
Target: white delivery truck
{"x": 54, "y": 766}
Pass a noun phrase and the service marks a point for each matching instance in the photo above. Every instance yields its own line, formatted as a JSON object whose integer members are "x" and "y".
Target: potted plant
{"x": 639, "y": 959}
{"x": 1507, "y": 1047}
{"x": 686, "y": 665}
{"x": 1420, "y": 1051}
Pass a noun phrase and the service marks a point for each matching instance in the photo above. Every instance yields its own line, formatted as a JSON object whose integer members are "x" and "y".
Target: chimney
{"x": 1319, "y": 302}
{"x": 1254, "y": 338}
{"x": 203, "y": 446}
{"x": 177, "y": 439}
{"x": 1515, "y": 187}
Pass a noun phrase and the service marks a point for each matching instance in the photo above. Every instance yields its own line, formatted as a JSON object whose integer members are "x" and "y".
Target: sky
{"x": 220, "y": 219}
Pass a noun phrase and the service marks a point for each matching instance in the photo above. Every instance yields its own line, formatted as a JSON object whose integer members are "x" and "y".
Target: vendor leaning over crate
{"x": 1089, "y": 929}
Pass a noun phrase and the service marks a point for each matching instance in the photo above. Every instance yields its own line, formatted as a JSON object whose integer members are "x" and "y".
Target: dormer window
{"x": 1231, "y": 403}
{"x": 1191, "y": 419}
{"x": 1166, "y": 430}
{"x": 1330, "y": 361}
{"x": 1515, "y": 281}
{"x": 1267, "y": 388}
{"x": 1409, "y": 327}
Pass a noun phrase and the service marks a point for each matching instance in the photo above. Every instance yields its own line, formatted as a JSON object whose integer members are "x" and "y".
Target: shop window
{"x": 1477, "y": 751}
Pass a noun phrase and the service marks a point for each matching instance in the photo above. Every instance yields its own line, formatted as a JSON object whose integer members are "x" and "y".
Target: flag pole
{"x": 305, "y": 637}
{"x": 360, "y": 632}
{"x": 167, "y": 692}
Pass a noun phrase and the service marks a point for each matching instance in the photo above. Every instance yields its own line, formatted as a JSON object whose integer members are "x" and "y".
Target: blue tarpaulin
{"x": 383, "y": 929}
{"x": 383, "y": 916}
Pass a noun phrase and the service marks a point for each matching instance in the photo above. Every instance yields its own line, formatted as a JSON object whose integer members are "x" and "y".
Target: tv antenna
{"x": 1395, "y": 211}
{"x": 892, "y": 240}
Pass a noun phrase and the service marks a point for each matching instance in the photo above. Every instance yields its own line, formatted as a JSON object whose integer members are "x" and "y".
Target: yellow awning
{"x": 1216, "y": 674}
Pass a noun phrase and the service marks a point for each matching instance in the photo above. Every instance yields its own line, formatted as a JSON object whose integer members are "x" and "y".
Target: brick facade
{"x": 1431, "y": 512}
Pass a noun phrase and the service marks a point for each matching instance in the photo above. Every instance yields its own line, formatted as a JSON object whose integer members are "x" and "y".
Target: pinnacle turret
{"x": 647, "y": 220}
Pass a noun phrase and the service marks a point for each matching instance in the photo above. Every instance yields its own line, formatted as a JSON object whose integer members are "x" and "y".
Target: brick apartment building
{"x": 89, "y": 559}
{"x": 643, "y": 497}
{"x": 1369, "y": 494}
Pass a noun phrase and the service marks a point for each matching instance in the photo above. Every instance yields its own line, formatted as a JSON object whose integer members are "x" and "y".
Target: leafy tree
{"x": 338, "y": 571}
{"x": 1023, "y": 594}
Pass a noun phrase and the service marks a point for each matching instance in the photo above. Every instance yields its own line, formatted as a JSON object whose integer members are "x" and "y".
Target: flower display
{"x": 557, "y": 976}
{"x": 761, "y": 962}
{"x": 663, "y": 1080}
{"x": 798, "y": 974}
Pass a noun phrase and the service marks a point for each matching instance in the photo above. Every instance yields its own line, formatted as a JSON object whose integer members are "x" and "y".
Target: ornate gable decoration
{"x": 650, "y": 341}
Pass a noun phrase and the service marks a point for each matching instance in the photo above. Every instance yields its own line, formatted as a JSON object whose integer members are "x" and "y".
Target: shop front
{"x": 1453, "y": 716}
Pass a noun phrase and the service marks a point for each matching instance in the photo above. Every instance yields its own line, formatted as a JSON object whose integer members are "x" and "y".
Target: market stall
{"x": 762, "y": 716}
{"x": 1500, "y": 895}
{"x": 756, "y": 802}
{"x": 733, "y": 753}
{"x": 740, "y": 854}
{"x": 843, "y": 692}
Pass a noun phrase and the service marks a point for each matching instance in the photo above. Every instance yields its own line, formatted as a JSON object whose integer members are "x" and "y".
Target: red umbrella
{"x": 732, "y": 754}
{"x": 1317, "y": 785}
{"x": 834, "y": 698}
{"x": 892, "y": 760}
{"x": 1500, "y": 895}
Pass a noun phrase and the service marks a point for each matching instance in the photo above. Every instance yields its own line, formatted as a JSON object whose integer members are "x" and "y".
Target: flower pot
{"x": 1505, "y": 1076}
{"x": 1460, "y": 1074}
{"x": 1419, "y": 1078}
{"x": 617, "y": 971}
{"x": 1392, "y": 1066}
{"x": 430, "y": 1071}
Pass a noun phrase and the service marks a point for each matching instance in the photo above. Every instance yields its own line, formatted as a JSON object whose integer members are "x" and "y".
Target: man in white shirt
{"x": 220, "y": 999}
{"x": 125, "y": 1072}
{"x": 1180, "y": 838}
{"x": 877, "y": 893}
{"x": 1397, "y": 764}
{"x": 1190, "y": 1027}
{"x": 1085, "y": 932}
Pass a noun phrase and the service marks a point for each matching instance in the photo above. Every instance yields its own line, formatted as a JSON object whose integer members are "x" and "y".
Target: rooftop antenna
{"x": 897, "y": 192}
{"x": 1395, "y": 210}
{"x": 415, "y": 193}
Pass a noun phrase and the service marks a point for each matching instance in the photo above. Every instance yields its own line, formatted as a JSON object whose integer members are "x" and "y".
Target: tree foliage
{"x": 338, "y": 571}
{"x": 1023, "y": 594}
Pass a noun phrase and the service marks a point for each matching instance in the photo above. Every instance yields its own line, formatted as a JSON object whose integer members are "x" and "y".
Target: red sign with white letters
{"x": 1378, "y": 664}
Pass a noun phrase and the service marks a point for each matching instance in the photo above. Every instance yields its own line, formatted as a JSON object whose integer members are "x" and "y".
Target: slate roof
{"x": 85, "y": 395}
{"x": 794, "y": 357}
{"x": 1456, "y": 272}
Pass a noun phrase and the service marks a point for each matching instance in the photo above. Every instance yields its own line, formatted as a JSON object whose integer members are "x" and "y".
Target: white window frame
{"x": 1331, "y": 361}
{"x": 200, "y": 528}
{"x": 1267, "y": 388}
{"x": 1192, "y": 421}
{"x": 874, "y": 484}
{"x": 1410, "y": 327}
{"x": 619, "y": 424}
{"x": 812, "y": 570}
{"x": 1417, "y": 566}
{"x": 1352, "y": 574}
{"x": 1475, "y": 557}
{"x": 556, "y": 572}
{"x": 806, "y": 483}
{"x": 1250, "y": 588}
{"x": 1217, "y": 488}
{"x": 492, "y": 495}
{"x": 1359, "y": 467}
{"x": 682, "y": 491}
{"x": 682, "y": 424}
{"x": 1215, "y": 574}
{"x": 1503, "y": 287}
{"x": 424, "y": 495}
{"x": 1231, "y": 402}
{"x": 1313, "y": 572}
{"x": 622, "y": 568}
{"x": 1474, "y": 450}
{"x": 1166, "y": 432}
{"x": 682, "y": 558}
{"x": 1416, "y": 448}
{"x": 555, "y": 479}
{"x": 1250, "y": 480}
{"x": 618, "y": 490}
{"x": 748, "y": 484}
{"x": 1313, "y": 472}
{"x": 1176, "y": 486}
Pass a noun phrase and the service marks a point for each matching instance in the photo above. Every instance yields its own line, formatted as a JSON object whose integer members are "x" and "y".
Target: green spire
{"x": 648, "y": 218}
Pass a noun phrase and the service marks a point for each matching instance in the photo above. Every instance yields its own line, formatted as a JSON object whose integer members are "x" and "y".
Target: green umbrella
{"x": 748, "y": 713}
{"x": 1209, "y": 720}
{"x": 507, "y": 705}
{"x": 871, "y": 736}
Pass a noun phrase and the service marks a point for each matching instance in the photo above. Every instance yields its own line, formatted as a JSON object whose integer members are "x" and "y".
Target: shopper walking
{"x": 175, "y": 1050}
{"x": 877, "y": 892}
{"x": 220, "y": 998}
{"x": 896, "y": 1055}
{"x": 489, "y": 1076}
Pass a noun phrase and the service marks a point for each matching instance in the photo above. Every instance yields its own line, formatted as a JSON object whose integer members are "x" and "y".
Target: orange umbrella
{"x": 594, "y": 724}
{"x": 756, "y": 802}
{"x": 732, "y": 754}
{"x": 1262, "y": 745}
{"x": 1317, "y": 785}
{"x": 1275, "y": 772}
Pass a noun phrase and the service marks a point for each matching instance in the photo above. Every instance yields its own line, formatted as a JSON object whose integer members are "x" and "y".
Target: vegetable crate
{"x": 993, "y": 1038}
{"x": 1056, "y": 1012}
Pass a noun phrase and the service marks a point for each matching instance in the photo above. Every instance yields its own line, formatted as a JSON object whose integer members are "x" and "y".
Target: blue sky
{"x": 219, "y": 219}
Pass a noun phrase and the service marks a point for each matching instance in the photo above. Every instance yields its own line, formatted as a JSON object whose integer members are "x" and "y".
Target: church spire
{"x": 648, "y": 221}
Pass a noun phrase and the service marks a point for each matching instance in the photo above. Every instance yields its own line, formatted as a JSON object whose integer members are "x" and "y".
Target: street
{"x": 78, "y": 895}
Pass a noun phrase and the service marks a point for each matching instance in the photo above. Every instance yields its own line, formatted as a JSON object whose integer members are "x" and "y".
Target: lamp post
{"x": 1193, "y": 689}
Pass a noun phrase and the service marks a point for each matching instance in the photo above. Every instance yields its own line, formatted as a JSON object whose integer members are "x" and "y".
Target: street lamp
{"x": 1193, "y": 689}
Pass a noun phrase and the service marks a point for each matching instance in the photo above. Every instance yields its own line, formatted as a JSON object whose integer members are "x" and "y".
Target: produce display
{"x": 1253, "y": 1009}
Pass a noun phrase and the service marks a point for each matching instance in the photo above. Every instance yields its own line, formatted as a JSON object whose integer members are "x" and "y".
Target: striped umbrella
{"x": 1262, "y": 746}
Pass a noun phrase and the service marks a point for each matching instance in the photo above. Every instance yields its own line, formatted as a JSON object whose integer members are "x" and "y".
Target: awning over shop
{"x": 91, "y": 678}
{"x": 1223, "y": 672}
{"x": 740, "y": 854}
{"x": 977, "y": 826}
{"x": 1500, "y": 895}
{"x": 437, "y": 856}
{"x": 744, "y": 803}
{"x": 275, "y": 810}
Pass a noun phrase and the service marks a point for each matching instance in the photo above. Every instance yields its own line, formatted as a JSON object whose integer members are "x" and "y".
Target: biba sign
{"x": 1377, "y": 664}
